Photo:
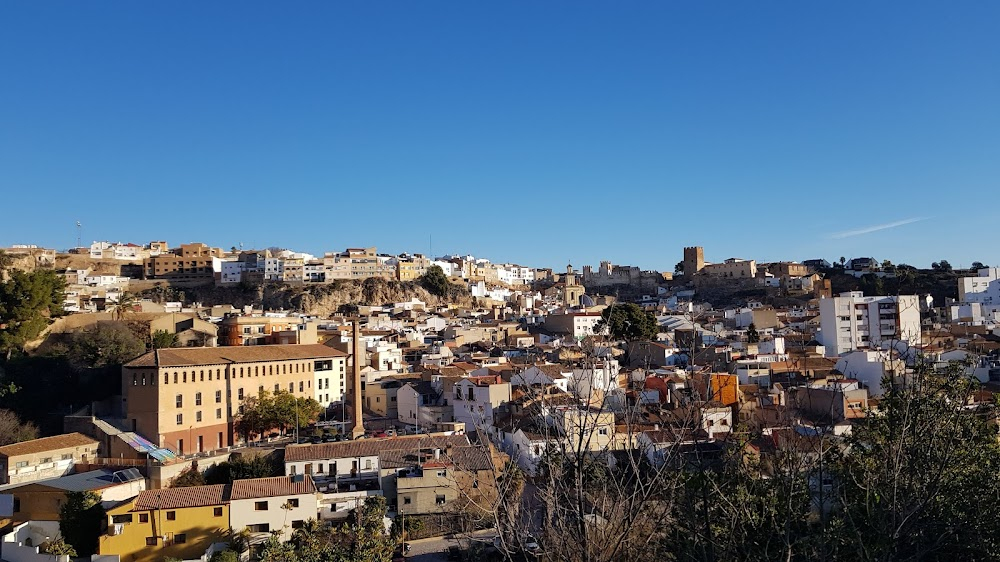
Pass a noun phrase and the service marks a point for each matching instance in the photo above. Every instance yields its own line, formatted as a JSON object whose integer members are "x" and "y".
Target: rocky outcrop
{"x": 319, "y": 300}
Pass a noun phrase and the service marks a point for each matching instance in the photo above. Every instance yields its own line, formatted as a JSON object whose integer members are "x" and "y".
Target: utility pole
{"x": 79, "y": 234}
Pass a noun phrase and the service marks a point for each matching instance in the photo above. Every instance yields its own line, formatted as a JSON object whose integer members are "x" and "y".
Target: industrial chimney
{"x": 359, "y": 426}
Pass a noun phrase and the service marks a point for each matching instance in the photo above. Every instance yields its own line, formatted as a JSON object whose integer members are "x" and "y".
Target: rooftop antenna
{"x": 79, "y": 235}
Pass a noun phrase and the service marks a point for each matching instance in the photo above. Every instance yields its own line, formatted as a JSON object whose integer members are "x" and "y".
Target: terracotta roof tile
{"x": 173, "y": 498}
{"x": 187, "y": 356}
{"x": 47, "y": 444}
{"x": 271, "y": 487}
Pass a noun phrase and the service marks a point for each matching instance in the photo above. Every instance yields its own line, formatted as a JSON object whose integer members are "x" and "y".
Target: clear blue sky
{"x": 535, "y": 132}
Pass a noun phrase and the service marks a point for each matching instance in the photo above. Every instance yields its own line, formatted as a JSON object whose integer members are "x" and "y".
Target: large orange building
{"x": 185, "y": 399}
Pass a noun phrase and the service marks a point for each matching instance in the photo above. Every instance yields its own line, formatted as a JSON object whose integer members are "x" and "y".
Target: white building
{"x": 277, "y": 504}
{"x": 578, "y": 325}
{"x": 330, "y": 381}
{"x": 232, "y": 272}
{"x": 475, "y": 401}
{"x": 422, "y": 405}
{"x": 853, "y": 321}
{"x": 984, "y": 288}
{"x": 869, "y": 367}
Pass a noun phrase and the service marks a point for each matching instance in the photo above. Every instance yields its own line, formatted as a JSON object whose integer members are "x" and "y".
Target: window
{"x": 291, "y": 387}
{"x": 171, "y": 516}
{"x": 406, "y": 500}
{"x": 439, "y": 499}
{"x": 239, "y": 394}
{"x": 180, "y": 538}
{"x": 276, "y": 388}
{"x": 143, "y": 518}
{"x": 125, "y": 518}
{"x": 151, "y": 541}
{"x": 180, "y": 419}
{"x": 301, "y": 386}
{"x": 197, "y": 399}
{"x": 260, "y": 506}
{"x": 218, "y": 396}
{"x": 602, "y": 431}
{"x": 179, "y": 400}
{"x": 217, "y": 512}
{"x": 298, "y": 524}
{"x": 197, "y": 416}
{"x": 218, "y": 413}
{"x": 166, "y": 379}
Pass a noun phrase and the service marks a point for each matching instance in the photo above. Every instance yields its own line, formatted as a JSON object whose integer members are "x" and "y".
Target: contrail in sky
{"x": 876, "y": 228}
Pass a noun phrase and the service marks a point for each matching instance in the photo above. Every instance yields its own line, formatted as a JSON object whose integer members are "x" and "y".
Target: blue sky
{"x": 534, "y": 132}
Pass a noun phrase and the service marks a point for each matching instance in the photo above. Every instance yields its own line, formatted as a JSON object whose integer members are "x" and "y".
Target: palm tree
{"x": 126, "y": 305}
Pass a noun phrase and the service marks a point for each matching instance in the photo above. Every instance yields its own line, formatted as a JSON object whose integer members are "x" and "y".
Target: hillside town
{"x": 421, "y": 409}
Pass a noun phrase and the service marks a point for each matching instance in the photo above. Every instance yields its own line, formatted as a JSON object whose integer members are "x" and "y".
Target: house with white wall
{"x": 278, "y": 504}
{"x": 475, "y": 400}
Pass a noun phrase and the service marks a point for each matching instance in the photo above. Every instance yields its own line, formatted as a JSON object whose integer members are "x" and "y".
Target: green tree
{"x": 843, "y": 261}
{"x": 106, "y": 344}
{"x": 872, "y": 285}
{"x": 255, "y": 415}
{"x": 127, "y": 303}
{"x": 679, "y": 267}
{"x": 6, "y": 260}
{"x": 190, "y": 477}
{"x": 920, "y": 474}
{"x": 243, "y": 467}
{"x": 273, "y": 550}
{"x": 80, "y": 519}
{"x": 59, "y": 547}
{"x": 287, "y": 409}
{"x": 435, "y": 281}
{"x": 368, "y": 537}
{"x": 225, "y": 556}
{"x": 752, "y": 335}
{"x": 161, "y": 339}
{"x": 627, "y": 321}
{"x": 977, "y": 265}
{"x": 27, "y": 301}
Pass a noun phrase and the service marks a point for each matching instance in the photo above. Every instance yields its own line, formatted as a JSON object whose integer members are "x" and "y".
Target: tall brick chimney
{"x": 359, "y": 425}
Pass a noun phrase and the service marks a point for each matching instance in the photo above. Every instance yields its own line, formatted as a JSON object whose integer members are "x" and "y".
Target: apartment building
{"x": 48, "y": 457}
{"x": 194, "y": 261}
{"x": 852, "y": 321}
{"x": 185, "y": 399}
{"x": 410, "y": 267}
{"x": 984, "y": 288}
{"x": 235, "y": 329}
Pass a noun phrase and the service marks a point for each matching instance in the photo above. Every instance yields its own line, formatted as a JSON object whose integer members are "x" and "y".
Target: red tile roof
{"x": 190, "y": 356}
{"x": 174, "y": 498}
{"x": 53, "y": 443}
{"x": 271, "y": 487}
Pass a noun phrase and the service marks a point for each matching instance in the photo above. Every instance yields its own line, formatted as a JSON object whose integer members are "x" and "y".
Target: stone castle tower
{"x": 694, "y": 259}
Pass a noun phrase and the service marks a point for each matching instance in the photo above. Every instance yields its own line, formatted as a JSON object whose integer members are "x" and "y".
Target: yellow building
{"x": 169, "y": 523}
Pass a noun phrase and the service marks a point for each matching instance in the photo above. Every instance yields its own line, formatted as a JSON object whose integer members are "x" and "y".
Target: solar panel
{"x": 127, "y": 475}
